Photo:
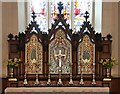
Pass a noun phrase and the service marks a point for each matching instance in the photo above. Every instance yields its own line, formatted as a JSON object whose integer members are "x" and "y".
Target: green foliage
{"x": 13, "y": 62}
{"x": 108, "y": 63}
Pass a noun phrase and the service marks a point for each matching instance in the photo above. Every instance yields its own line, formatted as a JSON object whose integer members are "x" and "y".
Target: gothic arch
{"x": 60, "y": 43}
{"x": 86, "y": 56}
{"x": 34, "y": 57}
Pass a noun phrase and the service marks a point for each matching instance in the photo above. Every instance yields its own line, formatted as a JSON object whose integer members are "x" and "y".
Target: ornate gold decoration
{"x": 86, "y": 56}
{"x": 33, "y": 56}
{"x": 60, "y": 43}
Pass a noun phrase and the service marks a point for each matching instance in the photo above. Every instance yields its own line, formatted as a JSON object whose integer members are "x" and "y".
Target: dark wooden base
{"x": 114, "y": 86}
{"x": 54, "y": 80}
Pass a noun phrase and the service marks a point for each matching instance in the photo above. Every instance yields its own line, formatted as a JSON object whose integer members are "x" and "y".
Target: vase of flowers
{"x": 108, "y": 72}
{"x": 108, "y": 64}
{"x": 12, "y": 63}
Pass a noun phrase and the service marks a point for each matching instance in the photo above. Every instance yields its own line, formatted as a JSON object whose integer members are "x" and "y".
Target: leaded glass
{"x": 47, "y": 10}
{"x": 66, "y": 10}
{"x": 40, "y": 9}
{"x": 80, "y": 7}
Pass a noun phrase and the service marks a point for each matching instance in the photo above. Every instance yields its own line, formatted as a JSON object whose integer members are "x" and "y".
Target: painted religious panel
{"x": 86, "y": 56}
{"x": 60, "y": 54}
{"x": 33, "y": 56}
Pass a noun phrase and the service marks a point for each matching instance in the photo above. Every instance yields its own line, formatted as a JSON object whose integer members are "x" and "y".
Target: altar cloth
{"x": 57, "y": 90}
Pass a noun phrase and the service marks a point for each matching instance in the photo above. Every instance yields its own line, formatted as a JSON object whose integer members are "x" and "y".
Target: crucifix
{"x": 59, "y": 57}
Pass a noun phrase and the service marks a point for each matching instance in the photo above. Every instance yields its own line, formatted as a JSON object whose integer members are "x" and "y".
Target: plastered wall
{"x": 0, "y": 39}
{"x": 110, "y": 26}
{"x": 9, "y": 25}
{"x": 119, "y": 38}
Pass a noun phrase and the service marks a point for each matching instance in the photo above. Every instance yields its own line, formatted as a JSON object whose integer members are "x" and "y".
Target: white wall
{"x": 0, "y": 46}
{"x": 9, "y": 25}
{"x": 22, "y": 16}
{"x": 110, "y": 26}
{"x": 98, "y": 16}
{"x": 0, "y": 38}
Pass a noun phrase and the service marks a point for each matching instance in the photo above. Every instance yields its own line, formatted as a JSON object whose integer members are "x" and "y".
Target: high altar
{"x": 59, "y": 58}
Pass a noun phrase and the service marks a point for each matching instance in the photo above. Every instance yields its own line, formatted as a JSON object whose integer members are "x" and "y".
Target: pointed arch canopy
{"x": 60, "y": 43}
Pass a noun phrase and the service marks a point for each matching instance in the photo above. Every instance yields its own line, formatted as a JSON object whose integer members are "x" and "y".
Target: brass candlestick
{"x": 25, "y": 80}
{"x": 71, "y": 81}
{"x": 60, "y": 81}
{"x": 81, "y": 77}
{"x": 37, "y": 81}
{"x": 93, "y": 81}
{"x": 36, "y": 66}
{"x": 49, "y": 81}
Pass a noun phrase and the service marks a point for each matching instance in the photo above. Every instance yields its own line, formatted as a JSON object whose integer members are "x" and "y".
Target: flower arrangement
{"x": 108, "y": 63}
{"x": 13, "y": 62}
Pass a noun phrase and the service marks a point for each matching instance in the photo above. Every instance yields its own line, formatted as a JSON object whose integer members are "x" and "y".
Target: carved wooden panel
{"x": 13, "y": 49}
{"x": 106, "y": 53}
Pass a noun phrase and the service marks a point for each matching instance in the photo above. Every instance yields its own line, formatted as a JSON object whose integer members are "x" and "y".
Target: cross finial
{"x": 33, "y": 16}
{"x": 60, "y": 6}
{"x": 86, "y": 15}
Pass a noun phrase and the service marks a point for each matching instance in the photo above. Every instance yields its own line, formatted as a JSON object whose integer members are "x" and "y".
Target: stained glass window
{"x": 66, "y": 10}
{"x": 80, "y": 7}
{"x": 47, "y": 10}
{"x": 40, "y": 9}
